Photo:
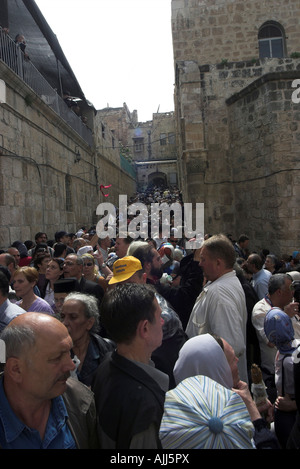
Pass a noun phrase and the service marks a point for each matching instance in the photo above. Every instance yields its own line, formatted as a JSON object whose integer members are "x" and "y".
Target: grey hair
{"x": 79, "y": 260}
{"x": 276, "y": 282}
{"x": 18, "y": 340}
{"x": 134, "y": 245}
{"x": 273, "y": 258}
{"x": 91, "y": 307}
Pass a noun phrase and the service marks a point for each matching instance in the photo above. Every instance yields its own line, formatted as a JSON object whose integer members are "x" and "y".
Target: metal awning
{"x": 141, "y": 163}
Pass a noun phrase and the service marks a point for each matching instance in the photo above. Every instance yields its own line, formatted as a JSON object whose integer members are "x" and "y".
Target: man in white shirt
{"x": 279, "y": 295}
{"x": 220, "y": 308}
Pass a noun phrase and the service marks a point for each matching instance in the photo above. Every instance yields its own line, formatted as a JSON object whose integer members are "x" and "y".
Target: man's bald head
{"x": 38, "y": 358}
{"x": 29, "y": 331}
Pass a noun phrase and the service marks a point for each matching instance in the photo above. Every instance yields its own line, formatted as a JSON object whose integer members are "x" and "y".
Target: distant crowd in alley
{"x": 130, "y": 342}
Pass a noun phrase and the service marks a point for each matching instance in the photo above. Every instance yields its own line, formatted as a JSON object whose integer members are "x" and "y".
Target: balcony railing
{"x": 14, "y": 58}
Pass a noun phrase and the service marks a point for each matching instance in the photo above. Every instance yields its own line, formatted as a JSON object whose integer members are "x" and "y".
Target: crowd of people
{"x": 130, "y": 343}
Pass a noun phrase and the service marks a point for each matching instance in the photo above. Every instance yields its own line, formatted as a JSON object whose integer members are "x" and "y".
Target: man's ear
{"x": 142, "y": 328}
{"x": 144, "y": 277}
{"x": 13, "y": 368}
{"x": 147, "y": 267}
{"x": 220, "y": 263}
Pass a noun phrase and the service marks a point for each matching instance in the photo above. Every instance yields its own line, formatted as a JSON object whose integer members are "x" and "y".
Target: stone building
{"x": 54, "y": 154}
{"x": 238, "y": 128}
{"x": 149, "y": 146}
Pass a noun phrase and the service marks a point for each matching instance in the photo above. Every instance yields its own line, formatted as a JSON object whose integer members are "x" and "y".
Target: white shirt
{"x": 220, "y": 309}
{"x": 267, "y": 354}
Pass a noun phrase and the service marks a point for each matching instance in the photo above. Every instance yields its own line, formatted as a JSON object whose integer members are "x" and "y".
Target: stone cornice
{"x": 272, "y": 76}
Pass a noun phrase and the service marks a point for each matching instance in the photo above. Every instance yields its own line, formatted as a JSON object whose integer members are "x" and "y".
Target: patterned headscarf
{"x": 201, "y": 414}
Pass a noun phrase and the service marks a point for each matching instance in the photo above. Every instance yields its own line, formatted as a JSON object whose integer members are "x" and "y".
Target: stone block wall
{"x": 142, "y": 142}
{"x": 118, "y": 120}
{"x": 235, "y": 119}
{"x": 209, "y": 31}
{"x": 42, "y": 188}
{"x": 264, "y": 125}
{"x": 209, "y": 164}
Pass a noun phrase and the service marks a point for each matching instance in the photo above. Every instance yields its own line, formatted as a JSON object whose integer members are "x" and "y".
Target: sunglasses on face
{"x": 88, "y": 264}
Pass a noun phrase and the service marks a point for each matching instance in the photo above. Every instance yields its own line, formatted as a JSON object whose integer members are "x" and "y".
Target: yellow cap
{"x": 124, "y": 268}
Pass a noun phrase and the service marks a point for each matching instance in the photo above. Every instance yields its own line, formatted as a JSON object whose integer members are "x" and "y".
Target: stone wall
{"x": 142, "y": 142}
{"x": 213, "y": 161}
{"x": 214, "y": 166}
{"x": 42, "y": 188}
{"x": 264, "y": 127}
{"x": 118, "y": 121}
{"x": 159, "y": 150}
{"x": 209, "y": 31}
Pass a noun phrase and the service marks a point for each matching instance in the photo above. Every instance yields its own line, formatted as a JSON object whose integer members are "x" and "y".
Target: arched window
{"x": 271, "y": 40}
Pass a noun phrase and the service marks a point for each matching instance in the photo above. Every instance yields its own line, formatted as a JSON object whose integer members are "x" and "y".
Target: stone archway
{"x": 157, "y": 179}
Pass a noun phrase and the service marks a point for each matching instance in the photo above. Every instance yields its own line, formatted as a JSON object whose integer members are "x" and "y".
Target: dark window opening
{"x": 271, "y": 41}
{"x": 138, "y": 144}
{"x": 69, "y": 204}
{"x": 163, "y": 139}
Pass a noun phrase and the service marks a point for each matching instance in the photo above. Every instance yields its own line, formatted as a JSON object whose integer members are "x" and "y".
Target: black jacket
{"x": 128, "y": 401}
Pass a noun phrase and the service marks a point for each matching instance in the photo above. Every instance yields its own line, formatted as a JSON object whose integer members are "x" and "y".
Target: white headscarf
{"x": 202, "y": 355}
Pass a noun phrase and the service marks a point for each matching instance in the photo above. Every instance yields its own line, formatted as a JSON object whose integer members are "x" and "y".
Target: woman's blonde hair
{"x": 30, "y": 273}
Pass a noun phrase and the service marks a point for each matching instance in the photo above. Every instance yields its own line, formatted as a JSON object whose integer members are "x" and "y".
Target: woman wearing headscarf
{"x": 202, "y": 414}
{"x": 203, "y": 355}
{"x": 213, "y": 357}
{"x": 279, "y": 330}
